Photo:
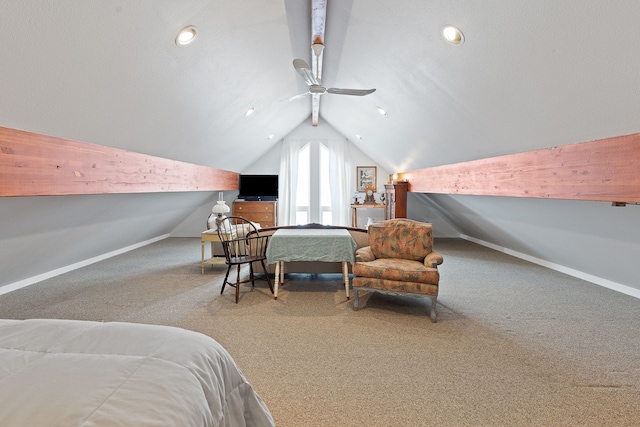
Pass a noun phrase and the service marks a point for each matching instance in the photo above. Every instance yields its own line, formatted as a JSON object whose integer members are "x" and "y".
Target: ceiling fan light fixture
{"x": 186, "y": 35}
{"x": 452, "y": 35}
{"x": 317, "y": 89}
{"x": 317, "y": 48}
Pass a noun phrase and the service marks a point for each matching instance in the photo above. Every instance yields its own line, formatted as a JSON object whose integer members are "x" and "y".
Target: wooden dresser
{"x": 264, "y": 213}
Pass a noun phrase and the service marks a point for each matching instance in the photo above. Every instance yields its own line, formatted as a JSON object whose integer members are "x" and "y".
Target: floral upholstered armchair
{"x": 399, "y": 261}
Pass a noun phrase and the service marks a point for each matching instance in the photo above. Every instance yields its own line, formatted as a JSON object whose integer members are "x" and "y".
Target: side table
{"x": 211, "y": 236}
{"x": 354, "y": 211}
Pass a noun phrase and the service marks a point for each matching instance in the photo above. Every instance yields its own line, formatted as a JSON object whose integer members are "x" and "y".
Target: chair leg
{"x": 356, "y": 300}
{"x": 238, "y": 285}
{"x": 226, "y": 276}
{"x": 253, "y": 283}
{"x": 266, "y": 273}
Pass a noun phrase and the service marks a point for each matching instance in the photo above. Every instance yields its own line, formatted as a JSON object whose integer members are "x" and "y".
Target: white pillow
{"x": 213, "y": 223}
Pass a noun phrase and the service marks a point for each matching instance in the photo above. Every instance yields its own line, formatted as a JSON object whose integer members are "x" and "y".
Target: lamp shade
{"x": 220, "y": 208}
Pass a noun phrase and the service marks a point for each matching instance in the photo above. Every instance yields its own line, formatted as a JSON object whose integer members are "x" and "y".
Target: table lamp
{"x": 220, "y": 209}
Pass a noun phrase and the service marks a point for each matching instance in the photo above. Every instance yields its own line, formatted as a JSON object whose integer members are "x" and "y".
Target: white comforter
{"x": 78, "y": 373}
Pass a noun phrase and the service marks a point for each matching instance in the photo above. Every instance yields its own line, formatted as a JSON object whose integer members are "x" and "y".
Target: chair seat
{"x": 400, "y": 270}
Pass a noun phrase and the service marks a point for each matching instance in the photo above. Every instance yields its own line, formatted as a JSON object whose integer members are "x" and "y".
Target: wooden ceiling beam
{"x": 315, "y": 108}
{"x": 603, "y": 170}
{"x": 32, "y": 164}
{"x": 318, "y": 23}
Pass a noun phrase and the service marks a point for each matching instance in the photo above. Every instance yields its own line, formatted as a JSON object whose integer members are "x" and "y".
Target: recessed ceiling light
{"x": 452, "y": 34}
{"x": 359, "y": 136}
{"x": 250, "y": 111}
{"x": 186, "y": 35}
{"x": 382, "y": 111}
{"x": 270, "y": 136}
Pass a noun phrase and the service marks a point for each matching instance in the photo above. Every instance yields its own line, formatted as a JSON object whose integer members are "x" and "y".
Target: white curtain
{"x": 287, "y": 186}
{"x": 339, "y": 181}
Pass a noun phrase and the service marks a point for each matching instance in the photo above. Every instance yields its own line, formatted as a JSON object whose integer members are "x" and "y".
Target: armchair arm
{"x": 364, "y": 254}
{"x": 433, "y": 259}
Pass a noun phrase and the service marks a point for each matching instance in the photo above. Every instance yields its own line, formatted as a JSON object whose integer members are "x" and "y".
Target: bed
{"x": 81, "y": 373}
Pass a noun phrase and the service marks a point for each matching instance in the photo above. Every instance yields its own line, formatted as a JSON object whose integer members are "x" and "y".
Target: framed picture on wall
{"x": 365, "y": 177}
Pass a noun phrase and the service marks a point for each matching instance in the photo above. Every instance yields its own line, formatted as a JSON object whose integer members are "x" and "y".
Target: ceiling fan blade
{"x": 303, "y": 69}
{"x": 296, "y": 97}
{"x": 356, "y": 92}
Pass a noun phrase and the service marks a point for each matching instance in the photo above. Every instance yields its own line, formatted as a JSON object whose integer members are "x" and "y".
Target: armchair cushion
{"x": 401, "y": 238}
{"x": 402, "y": 270}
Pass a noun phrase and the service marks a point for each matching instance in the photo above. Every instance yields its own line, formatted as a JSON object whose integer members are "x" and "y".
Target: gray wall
{"x": 41, "y": 234}
{"x": 590, "y": 237}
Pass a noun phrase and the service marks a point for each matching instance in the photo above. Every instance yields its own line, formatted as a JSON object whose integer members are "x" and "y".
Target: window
{"x": 313, "y": 197}
{"x": 314, "y": 184}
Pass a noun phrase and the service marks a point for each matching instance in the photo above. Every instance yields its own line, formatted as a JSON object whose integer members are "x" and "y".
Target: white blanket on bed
{"x": 78, "y": 373}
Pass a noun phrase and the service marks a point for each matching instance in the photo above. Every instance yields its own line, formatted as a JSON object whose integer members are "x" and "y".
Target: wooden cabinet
{"x": 396, "y": 197}
{"x": 264, "y": 213}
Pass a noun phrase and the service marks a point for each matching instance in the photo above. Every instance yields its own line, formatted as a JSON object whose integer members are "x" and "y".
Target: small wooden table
{"x": 211, "y": 236}
{"x": 354, "y": 210}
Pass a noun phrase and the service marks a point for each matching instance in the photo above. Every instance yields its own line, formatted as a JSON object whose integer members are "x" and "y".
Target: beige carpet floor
{"x": 515, "y": 344}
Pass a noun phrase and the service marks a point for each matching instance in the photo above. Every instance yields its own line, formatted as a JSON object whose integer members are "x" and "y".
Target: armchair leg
{"x": 432, "y": 309}
{"x": 432, "y": 306}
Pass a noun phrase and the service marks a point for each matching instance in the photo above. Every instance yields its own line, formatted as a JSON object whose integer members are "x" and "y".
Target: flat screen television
{"x": 258, "y": 187}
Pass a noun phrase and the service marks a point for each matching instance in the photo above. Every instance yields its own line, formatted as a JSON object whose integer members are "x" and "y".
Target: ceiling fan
{"x": 315, "y": 85}
{"x": 313, "y": 76}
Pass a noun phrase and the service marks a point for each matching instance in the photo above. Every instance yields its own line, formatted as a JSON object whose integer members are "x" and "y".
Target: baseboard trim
{"x": 44, "y": 276}
{"x": 618, "y": 287}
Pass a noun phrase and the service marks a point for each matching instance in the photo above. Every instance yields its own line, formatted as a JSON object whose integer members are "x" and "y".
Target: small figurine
{"x": 355, "y": 198}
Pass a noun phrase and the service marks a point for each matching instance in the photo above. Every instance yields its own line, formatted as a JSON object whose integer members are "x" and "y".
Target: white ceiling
{"x": 531, "y": 74}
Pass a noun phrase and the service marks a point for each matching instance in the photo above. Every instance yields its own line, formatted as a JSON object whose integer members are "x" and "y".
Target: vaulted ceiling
{"x": 530, "y": 74}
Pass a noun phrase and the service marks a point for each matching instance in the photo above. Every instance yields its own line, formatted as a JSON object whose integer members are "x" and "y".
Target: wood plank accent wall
{"x": 38, "y": 165}
{"x": 602, "y": 170}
